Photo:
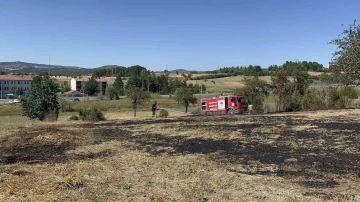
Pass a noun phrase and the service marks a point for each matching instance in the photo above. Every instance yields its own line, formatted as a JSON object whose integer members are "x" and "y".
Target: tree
{"x": 255, "y": 90}
{"x": 41, "y": 101}
{"x": 134, "y": 80}
{"x": 203, "y": 87}
{"x": 144, "y": 76}
{"x": 16, "y": 90}
{"x": 111, "y": 92}
{"x": 302, "y": 81}
{"x": 347, "y": 55}
{"x": 91, "y": 87}
{"x": 119, "y": 85}
{"x": 282, "y": 84}
{"x": 137, "y": 96}
{"x": 185, "y": 97}
{"x": 65, "y": 87}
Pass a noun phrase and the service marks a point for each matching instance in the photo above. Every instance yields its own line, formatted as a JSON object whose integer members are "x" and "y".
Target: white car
{"x": 14, "y": 101}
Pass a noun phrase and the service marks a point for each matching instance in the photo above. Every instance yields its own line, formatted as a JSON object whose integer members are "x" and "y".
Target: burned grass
{"x": 287, "y": 157}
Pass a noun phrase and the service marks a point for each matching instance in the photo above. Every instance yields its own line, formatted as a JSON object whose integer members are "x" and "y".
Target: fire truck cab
{"x": 232, "y": 104}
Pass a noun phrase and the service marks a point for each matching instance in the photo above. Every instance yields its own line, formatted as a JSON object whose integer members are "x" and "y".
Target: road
{"x": 4, "y": 101}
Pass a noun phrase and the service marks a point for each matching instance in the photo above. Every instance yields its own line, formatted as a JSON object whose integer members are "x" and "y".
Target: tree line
{"x": 115, "y": 70}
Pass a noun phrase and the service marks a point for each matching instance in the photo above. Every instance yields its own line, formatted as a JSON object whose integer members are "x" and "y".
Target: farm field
{"x": 305, "y": 156}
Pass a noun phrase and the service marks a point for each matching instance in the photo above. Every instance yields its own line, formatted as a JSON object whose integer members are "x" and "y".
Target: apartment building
{"x": 7, "y": 82}
{"x": 77, "y": 84}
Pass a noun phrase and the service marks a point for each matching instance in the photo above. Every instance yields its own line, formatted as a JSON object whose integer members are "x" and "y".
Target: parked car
{"x": 14, "y": 101}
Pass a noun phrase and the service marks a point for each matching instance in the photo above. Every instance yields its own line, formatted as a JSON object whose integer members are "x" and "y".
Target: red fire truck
{"x": 231, "y": 104}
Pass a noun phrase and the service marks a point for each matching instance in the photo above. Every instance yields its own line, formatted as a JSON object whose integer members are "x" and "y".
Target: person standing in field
{"x": 153, "y": 108}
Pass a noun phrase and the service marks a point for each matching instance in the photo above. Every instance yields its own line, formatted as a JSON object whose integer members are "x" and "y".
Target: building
{"x": 7, "y": 82}
{"x": 78, "y": 84}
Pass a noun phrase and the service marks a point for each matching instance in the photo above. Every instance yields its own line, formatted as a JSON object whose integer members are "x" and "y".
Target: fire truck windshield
{"x": 243, "y": 100}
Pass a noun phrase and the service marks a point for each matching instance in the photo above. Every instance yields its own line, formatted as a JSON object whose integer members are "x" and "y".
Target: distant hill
{"x": 179, "y": 71}
{"x": 33, "y": 68}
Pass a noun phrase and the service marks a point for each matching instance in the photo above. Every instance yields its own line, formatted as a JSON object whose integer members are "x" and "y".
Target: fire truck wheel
{"x": 229, "y": 111}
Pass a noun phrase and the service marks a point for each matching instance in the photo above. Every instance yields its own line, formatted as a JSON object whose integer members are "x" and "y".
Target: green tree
{"x": 136, "y": 96}
{"x": 16, "y": 90}
{"x": 65, "y": 87}
{"x": 144, "y": 75}
{"x": 185, "y": 97}
{"x": 302, "y": 81}
{"x": 283, "y": 87}
{"x": 203, "y": 87}
{"x": 41, "y": 101}
{"x": 347, "y": 55}
{"x": 91, "y": 87}
{"x": 134, "y": 80}
{"x": 255, "y": 91}
{"x": 111, "y": 92}
{"x": 119, "y": 85}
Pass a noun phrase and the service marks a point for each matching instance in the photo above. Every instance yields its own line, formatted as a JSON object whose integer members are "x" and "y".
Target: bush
{"x": 257, "y": 103}
{"x": 312, "y": 100}
{"x": 91, "y": 114}
{"x": 349, "y": 92}
{"x": 163, "y": 113}
{"x": 74, "y": 118}
{"x": 293, "y": 104}
{"x": 335, "y": 99}
{"x": 112, "y": 93}
{"x": 65, "y": 105}
{"x": 41, "y": 101}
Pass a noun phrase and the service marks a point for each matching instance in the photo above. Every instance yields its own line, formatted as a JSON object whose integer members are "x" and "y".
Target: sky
{"x": 172, "y": 34}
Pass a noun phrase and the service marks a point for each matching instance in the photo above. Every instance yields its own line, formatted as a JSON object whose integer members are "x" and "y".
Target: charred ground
{"x": 320, "y": 154}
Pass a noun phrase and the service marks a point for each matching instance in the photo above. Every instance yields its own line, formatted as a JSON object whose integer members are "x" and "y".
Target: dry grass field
{"x": 280, "y": 157}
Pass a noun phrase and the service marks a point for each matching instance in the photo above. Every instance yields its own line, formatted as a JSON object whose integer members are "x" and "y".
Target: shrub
{"x": 100, "y": 96}
{"x": 312, "y": 100}
{"x": 335, "y": 99}
{"x": 293, "y": 103}
{"x": 163, "y": 113}
{"x": 91, "y": 114}
{"x": 41, "y": 101}
{"x": 257, "y": 103}
{"x": 65, "y": 105}
{"x": 349, "y": 92}
{"x": 112, "y": 93}
{"x": 74, "y": 118}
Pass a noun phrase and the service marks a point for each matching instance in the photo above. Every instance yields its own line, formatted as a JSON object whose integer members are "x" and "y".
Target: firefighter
{"x": 153, "y": 108}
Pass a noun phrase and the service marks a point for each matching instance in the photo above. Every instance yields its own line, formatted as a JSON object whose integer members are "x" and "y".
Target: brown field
{"x": 226, "y": 84}
{"x": 307, "y": 156}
